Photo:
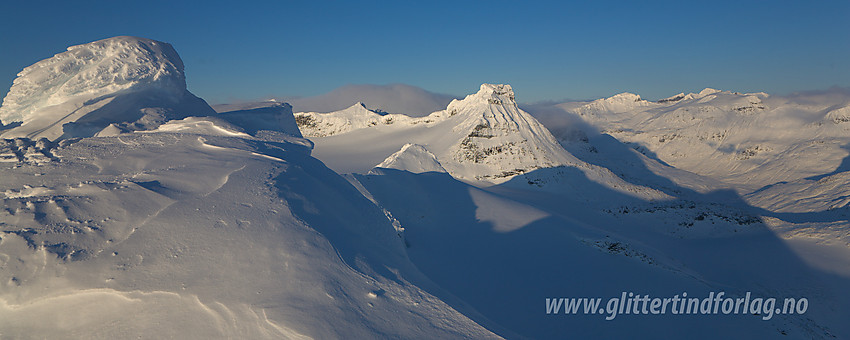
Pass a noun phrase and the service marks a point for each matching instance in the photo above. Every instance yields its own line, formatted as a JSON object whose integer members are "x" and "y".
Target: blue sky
{"x": 548, "y": 50}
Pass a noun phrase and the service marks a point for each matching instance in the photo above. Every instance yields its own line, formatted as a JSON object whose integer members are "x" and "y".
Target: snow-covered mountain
{"x": 604, "y": 186}
{"x": 750, "y": 140}
{"x": 132, "y": 82}
{"x": 357, "y": 116}
{"x": 484, "y": 137}
{"x": 501, "y": 140}
{"x": 413, "y": 158}
{"x": 783, "y": 154}
{"x": 161, "y": 218}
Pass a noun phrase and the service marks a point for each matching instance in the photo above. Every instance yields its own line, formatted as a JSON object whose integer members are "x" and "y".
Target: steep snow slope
{"x": 134, "y": 82}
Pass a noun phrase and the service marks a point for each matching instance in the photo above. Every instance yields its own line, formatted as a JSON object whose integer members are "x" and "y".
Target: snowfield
{"x": 133, "y": 209}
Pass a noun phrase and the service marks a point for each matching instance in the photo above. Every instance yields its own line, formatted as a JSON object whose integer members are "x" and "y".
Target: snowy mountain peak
{"x": 619, "y": 103}
{"x": 358, "y": 110}
{"x": 357, "y": 116}
{"x": 91, "y": 71}
{"x": 114, "y": 80}
{"x": 493, "y": 106}
{"x": 626, "y": 97}
{"x": 673, "y": 99}
{"x": 498, "y": 139}
{"x": 358, "y": 107}
{"x": 496, "y": 90}
{"x": 708, "y": 91}
{"x": 489, "y": 94}
{"x": 483, "y": 137}
{"x": 414, "y": 158}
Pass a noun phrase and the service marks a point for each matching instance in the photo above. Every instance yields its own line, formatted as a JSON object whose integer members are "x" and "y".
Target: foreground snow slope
{"x": 134, "y": 82}
{"x": 204, "y": 232}
{"x": 210, "y": 226}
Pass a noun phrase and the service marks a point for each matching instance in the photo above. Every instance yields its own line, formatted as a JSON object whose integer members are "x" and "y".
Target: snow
{"x": 414, "y": 158}
{"x": 275, "y": 116}
{"x": 748, "y": 140}
{"x": 805, "y": 195}
{"x": 839, "y": 116}
{"x": 707, "y": 91}
{"x": 148, "y": 220}
{"x": 620, "y": 103}
{"x": 613, "y": 191}
{"x": 479, "y": 243}
{"x": 116, "y": 314}
{"x": 197, "y": 125}
{"x": 204, "y": 227}
{"x": 357, "y": 116}
{"x": 125, "y": 80}
{"x": 160, "y": 228}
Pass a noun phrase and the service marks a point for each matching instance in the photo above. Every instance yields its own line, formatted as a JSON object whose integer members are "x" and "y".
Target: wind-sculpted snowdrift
{"x": 132, "y": 82}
